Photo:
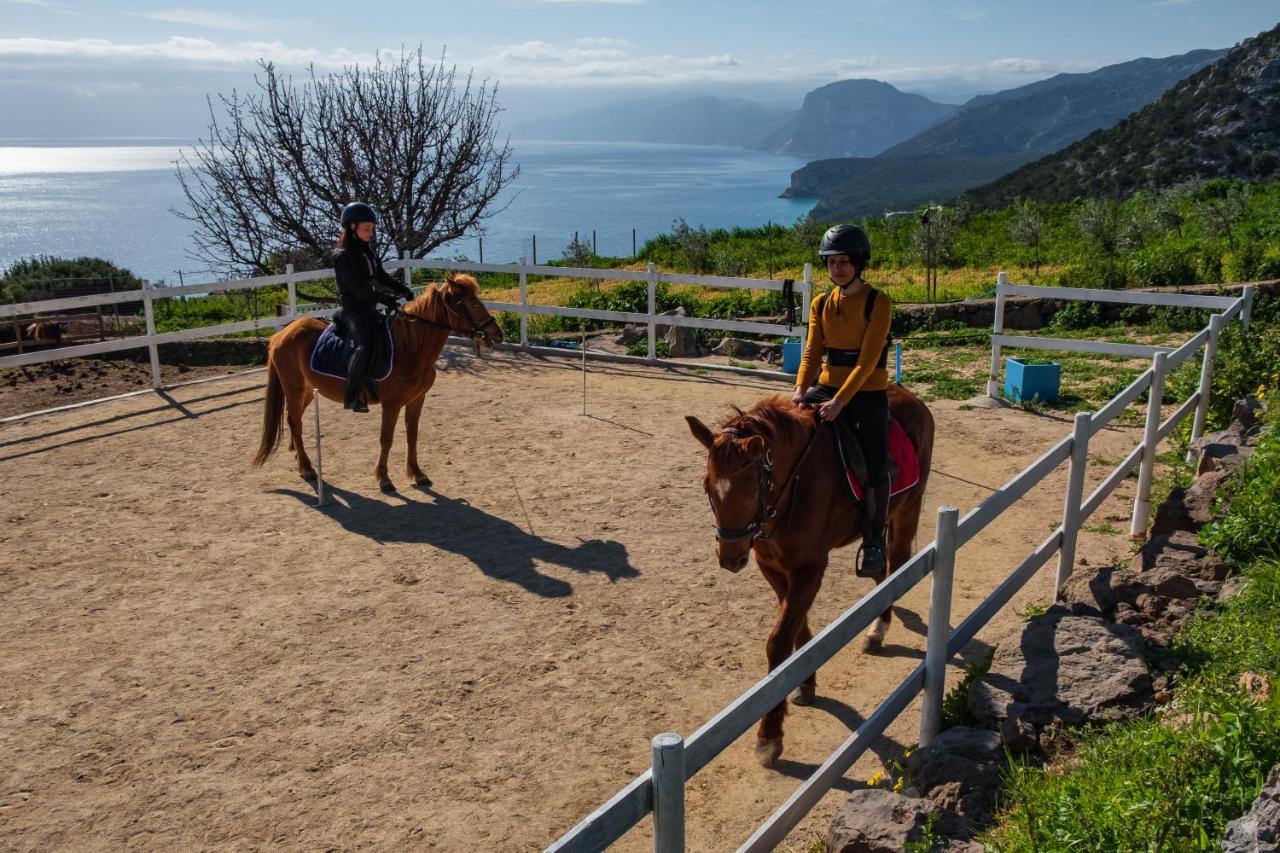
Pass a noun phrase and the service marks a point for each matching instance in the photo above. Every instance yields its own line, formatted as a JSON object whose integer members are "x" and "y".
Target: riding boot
{"x": 356, "y": 369}
{"x": 876, "y": 512}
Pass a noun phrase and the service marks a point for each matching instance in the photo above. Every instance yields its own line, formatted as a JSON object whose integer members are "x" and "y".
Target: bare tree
{"x": 409, "y": 137}
{"x": 1028, "y": 229}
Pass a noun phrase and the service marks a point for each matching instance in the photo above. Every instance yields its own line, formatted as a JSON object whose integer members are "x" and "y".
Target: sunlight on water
{"x": 86, "y": 159}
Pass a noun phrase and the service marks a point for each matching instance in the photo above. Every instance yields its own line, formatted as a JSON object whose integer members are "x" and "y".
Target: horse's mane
{"x": 775, "y": 419}
{"x": 428, "y": 306}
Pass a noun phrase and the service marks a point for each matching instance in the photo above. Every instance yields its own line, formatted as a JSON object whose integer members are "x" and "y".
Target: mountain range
{"x": 1223, "y": 121}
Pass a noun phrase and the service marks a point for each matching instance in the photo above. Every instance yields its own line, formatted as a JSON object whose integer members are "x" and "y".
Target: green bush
{"x": 1159, "y": 265}
{"x": 1252, "y": 528}
{"x": 1076, "y": 315}
{"x": 42, "y": 277}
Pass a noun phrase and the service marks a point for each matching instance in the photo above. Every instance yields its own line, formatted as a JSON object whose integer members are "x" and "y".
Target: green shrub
{"x": 42, "y": 277}
{"x": 1252, "y": 528}
{"x": 1159, "y": 265}
{"x": 1076, "y": 315}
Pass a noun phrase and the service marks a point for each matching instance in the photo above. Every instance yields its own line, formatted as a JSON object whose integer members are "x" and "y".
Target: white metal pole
{"x": 935, "y": 656}
{"x": 152, "y": 349}
{"x": 997, "y": 328}
{"x": 1071, "y": 519}
{"x": 584, "y": 366}
{"x": 406, "y": 270}
{"x": 668, "y": 793}
{"x": 293, "y": 291}
{"x": 1150, "y": 437}
{"x": 653, "y": 310}
{"x": 806, "y": 297}
{"x": 315, "y": 402}
{"x": 1206, "y": 382}
{"x": 1247, "y": 311}
{"x": 524, "y": 304}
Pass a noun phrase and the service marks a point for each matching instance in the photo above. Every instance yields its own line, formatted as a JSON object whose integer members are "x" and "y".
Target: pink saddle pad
{"x": 906, "y": 464}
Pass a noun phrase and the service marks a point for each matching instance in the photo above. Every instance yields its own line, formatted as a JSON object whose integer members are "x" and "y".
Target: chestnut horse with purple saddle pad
{"x": 776, "y": 483}
{"x": 419, "y": 331}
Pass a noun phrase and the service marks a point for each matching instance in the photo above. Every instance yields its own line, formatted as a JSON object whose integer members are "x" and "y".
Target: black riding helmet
{"x": 358, "y": 211}
{"x": 847, "y": 240}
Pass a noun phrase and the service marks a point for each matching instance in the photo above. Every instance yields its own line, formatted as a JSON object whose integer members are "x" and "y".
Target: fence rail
{"x": 651, "y": 318}
{"x": 627, "y": 808}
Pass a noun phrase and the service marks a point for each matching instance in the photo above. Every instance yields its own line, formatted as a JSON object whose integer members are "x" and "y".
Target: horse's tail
{"x": 272, "y": 416}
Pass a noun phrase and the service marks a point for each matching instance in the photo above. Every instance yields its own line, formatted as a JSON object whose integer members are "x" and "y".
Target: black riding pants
{"x": 867, "y": 417}
{"x": 360, "y": 322}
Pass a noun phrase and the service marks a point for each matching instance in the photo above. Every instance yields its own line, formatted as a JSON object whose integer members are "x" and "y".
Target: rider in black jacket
{"x": 362, "y": 285}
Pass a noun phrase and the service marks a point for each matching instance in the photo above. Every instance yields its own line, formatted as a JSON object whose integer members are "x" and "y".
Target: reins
{"x": 765, "y": 512}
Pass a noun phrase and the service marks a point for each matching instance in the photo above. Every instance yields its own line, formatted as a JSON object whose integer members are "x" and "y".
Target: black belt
{"x": 849, "y": 357}
{"x": 842, "y": 357}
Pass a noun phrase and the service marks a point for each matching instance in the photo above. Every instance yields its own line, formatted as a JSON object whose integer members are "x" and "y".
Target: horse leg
{"x": 800, "y": 590}
{"x": 412, "y": 412}
{"x": 873, "y": 640}
{"x": 389, "y": 415}
{"x": 296, "y": 403}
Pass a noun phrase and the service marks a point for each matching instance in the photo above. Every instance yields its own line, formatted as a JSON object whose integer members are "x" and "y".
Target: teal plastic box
{"x": 1028, "y": 382}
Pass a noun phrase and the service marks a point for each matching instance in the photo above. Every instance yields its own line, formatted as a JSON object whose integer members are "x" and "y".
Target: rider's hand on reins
{"x": 830, "y": 410}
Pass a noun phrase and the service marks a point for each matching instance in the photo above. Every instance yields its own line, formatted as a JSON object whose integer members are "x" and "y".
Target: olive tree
{"x": 409, "y": 137}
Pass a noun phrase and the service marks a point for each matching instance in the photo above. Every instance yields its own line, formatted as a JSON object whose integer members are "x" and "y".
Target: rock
{"x": 1062, "y": 669}
{"x": 631, "y": 334}
{"x": 1181, "y": 551}
{"x": 682, "y": 340}
{"x": 1189, "y": 508}
{"x": 739, "y": 348}
{"x": 1231, "y": 588}
{"x": 1247, "y": 412}
{"x": 1093, "y": 593}
{"x": 1258, "y": 831}
{"x": 961, "y": 771}
{"x": 879, "y": 821}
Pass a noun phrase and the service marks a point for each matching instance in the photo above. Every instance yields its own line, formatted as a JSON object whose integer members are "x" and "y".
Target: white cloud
{"x": 215, "y": 20}
{"x": 179, "y": 49}
{"x": 602, "y": 41}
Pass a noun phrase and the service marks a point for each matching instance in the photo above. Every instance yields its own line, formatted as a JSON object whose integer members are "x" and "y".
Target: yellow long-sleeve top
{"x": 843, "y": 325}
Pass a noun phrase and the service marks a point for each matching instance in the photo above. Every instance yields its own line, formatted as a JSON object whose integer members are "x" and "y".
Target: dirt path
{"x": 196, "y": 657}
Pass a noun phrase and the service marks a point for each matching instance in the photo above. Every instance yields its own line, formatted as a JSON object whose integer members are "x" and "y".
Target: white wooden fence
{"x": 151, "y": 340}
{"x": 675, "y": 760}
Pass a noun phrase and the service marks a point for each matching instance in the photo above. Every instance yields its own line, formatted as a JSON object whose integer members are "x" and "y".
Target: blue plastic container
{"x": 1027, "y": 382}
{"x": 790, "y": 356}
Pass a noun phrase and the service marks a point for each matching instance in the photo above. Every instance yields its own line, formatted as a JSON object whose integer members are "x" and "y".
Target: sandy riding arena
{"x": 196, "y": 657}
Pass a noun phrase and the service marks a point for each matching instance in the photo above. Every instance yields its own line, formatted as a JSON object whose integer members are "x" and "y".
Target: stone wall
{"x": 208, "y": 351}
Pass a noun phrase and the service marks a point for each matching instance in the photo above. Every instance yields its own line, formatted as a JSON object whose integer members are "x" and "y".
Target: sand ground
{"x": 195, "y": 656}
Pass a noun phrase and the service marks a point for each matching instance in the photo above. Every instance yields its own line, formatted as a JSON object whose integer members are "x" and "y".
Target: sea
{"x": 114, "y": 199}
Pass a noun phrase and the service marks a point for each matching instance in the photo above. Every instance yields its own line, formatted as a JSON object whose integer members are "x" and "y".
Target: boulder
{"x": 1062, "y": 670}
{"x": 739, "y": 348}
{"x": 1181, "y": 551}
{"x": 1094, "y": 592}
{"x": 1247, "y": 412}
{"x": 878, "y": 821}
{"x": 682, "y": 340}
{"x": 1258, "y": 831}
{"x": 960, "y": 771}
{"x": 1191, "y": 507}
{"x": 1224, "y": 450}
{"x": 631, "y": 334}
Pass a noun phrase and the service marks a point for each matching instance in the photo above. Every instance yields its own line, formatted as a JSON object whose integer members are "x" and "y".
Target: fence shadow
{"x": 499, "y": 548}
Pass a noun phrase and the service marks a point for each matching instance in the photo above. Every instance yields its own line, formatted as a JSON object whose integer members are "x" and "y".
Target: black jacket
{"x": 361, "y": 279}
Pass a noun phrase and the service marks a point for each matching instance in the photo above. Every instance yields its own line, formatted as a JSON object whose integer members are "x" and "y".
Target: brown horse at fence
{"x": 793, "y": 520}
{"x": 44, "y": 330}
{"x": 419, "y": 332}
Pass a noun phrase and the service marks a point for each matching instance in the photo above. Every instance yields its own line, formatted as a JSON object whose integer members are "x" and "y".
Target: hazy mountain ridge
{"x": 854, "y": 118}
{"x": 1221, "y": 122}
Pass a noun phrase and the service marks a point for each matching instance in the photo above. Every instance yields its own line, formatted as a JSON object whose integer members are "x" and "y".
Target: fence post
{"x": 1206, "y": 382}
{"x": 806, "y": 296}
{"x": 524, "y": 305}
{"x": 152, "y": 349}
{"x": 1247, "y": 311}
{"x": 935, "y": 656}
{"x": 1150, "y": 437}
{"x": 668, "y": 793}
{"x": 406, "y": 270}
{"x": 1071, "y": 519}
{"x": 997, "y": 328}
{"x": 653, "y": 310}
{"x": 535, "y": 249}
{"x": 293, "y": 291}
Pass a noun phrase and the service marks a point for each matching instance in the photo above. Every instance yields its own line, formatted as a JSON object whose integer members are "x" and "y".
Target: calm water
{"x": 113, "y": 200}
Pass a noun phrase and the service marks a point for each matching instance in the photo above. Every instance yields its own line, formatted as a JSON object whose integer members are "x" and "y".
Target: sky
{"x": 72, "y": 68}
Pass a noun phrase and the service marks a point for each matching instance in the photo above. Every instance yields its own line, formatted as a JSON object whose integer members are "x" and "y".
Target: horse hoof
{"x": 871, "y": 643}
{"x": 803, "y": 695}
{"x": 768, "y": 751}
{"x": 387, "y": 487}
{"x": 422, "y": 481}
{"x": 309, "y": 476}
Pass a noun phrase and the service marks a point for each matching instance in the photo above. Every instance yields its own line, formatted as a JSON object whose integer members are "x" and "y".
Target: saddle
{"x": 332, "y": 351}
{"x": 904, "y": 464}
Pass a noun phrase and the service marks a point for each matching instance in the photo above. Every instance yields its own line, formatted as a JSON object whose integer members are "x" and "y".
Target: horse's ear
{"x": 700, "y": 431}
{"x": 752, "y": 446}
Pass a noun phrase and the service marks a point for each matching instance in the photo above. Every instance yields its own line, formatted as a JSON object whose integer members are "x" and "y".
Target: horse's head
{"x": 466, "y": 313}
{"x": 738, "y": 481}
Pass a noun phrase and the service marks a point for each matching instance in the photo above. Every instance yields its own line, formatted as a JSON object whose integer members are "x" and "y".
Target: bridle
{"x": 460, "y": 309}
{"x": 765, "y": 511}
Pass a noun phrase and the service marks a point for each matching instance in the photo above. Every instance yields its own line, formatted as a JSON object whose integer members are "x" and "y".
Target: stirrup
{"x": 869, "y": 561}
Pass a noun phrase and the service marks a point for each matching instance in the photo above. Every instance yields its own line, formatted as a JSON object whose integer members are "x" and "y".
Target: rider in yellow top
{"x": 846, "y": 353}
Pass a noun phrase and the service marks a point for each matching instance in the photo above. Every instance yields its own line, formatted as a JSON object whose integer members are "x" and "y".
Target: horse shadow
{"x": 497, "y": 547}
